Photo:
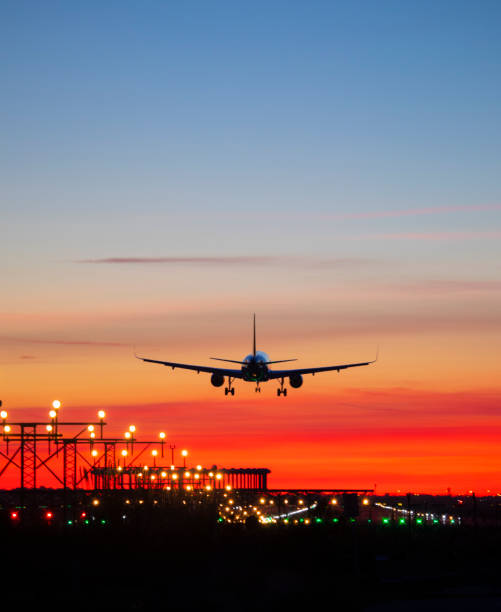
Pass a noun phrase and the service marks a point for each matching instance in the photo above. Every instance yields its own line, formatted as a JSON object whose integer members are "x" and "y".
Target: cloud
{"x": 428, "y": 210}
{"x": 17, "y": 340}
{"x": 244, "y": 260}
{"x": 437, "y": 235}
{"x": 450, "y": 286}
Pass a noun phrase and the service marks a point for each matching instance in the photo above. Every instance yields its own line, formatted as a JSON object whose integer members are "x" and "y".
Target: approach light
{"x": 132, "y": 428}
{"x": 187, "y": 474}
{"x": 124, "y": 453}
{"x": 199, "y": 467}
{"x": 127, "y": 435}
{"x": 161, "y": 435}
{"x": 48, "y": 515}
{"x": 53, "y": 414}
{"x": 90, "y": 427}
{"x": 163, "y": 474}
{"x": 95, "y": 502}
{"x": 154, "y": 453}
{"x": 6, "y": 428}
{"x": 94, "y": 453}
{"x": 92, "y": 434}
{"x": 101, "y": 414}
{"x": 219, "y": 476}
{"x": 334, "y": 502}
{"x": 174, "y": 476}
{"x": 56, "y": 404}
{"x": 184, "y": 453}
{"x": 228, "y": 487}
{"x": 365, "y": 502}
{"x": 3, "y": 414}
{"x": 48, "y": 428}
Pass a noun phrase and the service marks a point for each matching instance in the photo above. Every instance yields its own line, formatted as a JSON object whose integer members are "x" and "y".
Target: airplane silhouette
{"x": 254, "y": 368}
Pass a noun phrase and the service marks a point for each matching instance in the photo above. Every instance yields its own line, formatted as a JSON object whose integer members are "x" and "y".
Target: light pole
{"x": 172, "y": 447}
{"x": 184, "y": 453}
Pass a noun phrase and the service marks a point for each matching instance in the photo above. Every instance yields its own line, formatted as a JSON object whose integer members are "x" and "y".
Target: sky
{"x": 168, "y": 169}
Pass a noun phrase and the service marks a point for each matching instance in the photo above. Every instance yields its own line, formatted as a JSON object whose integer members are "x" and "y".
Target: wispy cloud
{"x": 19, "y": 340}
{"x": 411, "y": 212}
{"x": 451, "y": 286}
{"x": 472, "y": 235}
{"x": 244, "y": 260}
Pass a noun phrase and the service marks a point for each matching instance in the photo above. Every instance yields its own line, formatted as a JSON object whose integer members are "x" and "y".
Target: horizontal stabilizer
{"x": 228, "y": 360}
{"x": 279, "y": 361}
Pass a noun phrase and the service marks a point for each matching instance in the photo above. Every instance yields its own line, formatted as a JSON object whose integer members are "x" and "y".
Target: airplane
{"x": 254, "y": 368}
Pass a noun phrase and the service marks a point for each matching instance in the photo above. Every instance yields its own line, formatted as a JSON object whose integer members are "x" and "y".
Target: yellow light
{"x": 52, "y": 414}
{"x": 162, "y": 435}
{"x": 101, "y": 414}
{"x": 48, "y": 427}
{"x": 228, "y": 488}
{"x": 365, "y": 502}
{"x": 163, "y": 474}
{"x": 219, "y": 476}
{"x": 174, "y": 476}
{"x": 95, "y": 502}
{"x": 6, "y": 428}
{"x": 90, "y": 427}
{"x": 208, "y": 488}
{"x": 333, "y": 502}
{"x": 140, "y": 475}
{"x": 152, "y": 477}
{"x": 187, "y": 474}
{"x": 188, "y": 487}
{"x": 199, "y": 467}
{"x": 127, "y": 435}
{"x": 301, "y": 502}
{"x": 119, "y": 468}
{"x": 184, "y": 453}
{"x": 94, "y": 453}
{"x": 146, "y": 468}
{"x": 56, "y": 404}
{"x": 196, "y": 476}
{"x": 211, "y": 474}
{"x": 132, "y": 428}
{"x": 172, "y": 467}
{"x": 3, "y": 414}
{"x": 124, "y": 453}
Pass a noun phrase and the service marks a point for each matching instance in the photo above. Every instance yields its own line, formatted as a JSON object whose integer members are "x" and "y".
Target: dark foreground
{"x": 188, "y": 564}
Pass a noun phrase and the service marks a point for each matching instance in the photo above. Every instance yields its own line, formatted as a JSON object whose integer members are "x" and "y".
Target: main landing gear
{"x": 257, "y": 389}
{"x": 229, "y": 390}
{"x": 281, "y": 390}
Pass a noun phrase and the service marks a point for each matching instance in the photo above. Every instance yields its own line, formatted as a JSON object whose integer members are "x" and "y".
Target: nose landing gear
{"x": 281, "y": 390}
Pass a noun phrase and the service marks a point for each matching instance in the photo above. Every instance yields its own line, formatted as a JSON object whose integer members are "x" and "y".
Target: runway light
{"x": 127, "y": 435}
{"x": 199, "y": 467}
{"x": 184, "y": 453}
{"x": 154, "y": 453}
{"x": 402, "y": 521}
{"x": 90, "y": 427}
{"x": 386, "y": 521}
{"x": 365, "y": 502}
{"x": 419, "y": 521}
{"x": 95, "y": 502}
{"x": 48, "y": 428}
{"x": 56, "y": 404}
{"x": 48, "y": 515}
{"x": 101, "y": 414}
{"x": 335, "y": 520}
{"x": 94, "y": 453}
{"x": 3, "y": 414}
{"x": 161, "y": 435}
{"x": 52, "y": 414}
{"x": 7, "y": 429}
{"x": 132, "y": 428}
{"x": 14, "y": 515}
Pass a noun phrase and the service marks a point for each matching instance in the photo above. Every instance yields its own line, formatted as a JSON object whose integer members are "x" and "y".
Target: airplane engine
{"x": 296, "y": 380}
{"x": 217, "y": 380}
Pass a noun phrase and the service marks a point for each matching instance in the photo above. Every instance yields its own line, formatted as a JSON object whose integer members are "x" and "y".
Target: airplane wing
{"x": 196, "y": 368}
{"x": 285, "y": 373}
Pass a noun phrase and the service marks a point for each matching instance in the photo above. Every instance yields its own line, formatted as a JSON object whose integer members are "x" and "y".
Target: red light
{"x": 83, "y": 515}
{"x": 48, "y": 515}
{"x": 13, "y": 515}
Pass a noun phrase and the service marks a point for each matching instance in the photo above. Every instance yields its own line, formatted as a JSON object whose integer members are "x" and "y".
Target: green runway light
{"x": 419, "y": 521}
{"x": 435, "y": 521}
{"x": 220, "y": 520}
{"x": 301, "y": 520}
{"x": 86, "y": 521}
{"x": 335, "y": 520}
{"x": 70, "y": 522}
{"x": 386, "y": 521}
{"x": 352, "y": 520}
{"x": 402, "y": 521}
{"x": 318, "y": 520}
{"x": 103, "y": 522}
{"x": 452, "y": 521}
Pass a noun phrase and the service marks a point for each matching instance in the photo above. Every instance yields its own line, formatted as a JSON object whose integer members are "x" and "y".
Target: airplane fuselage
{"x": 255, "y": 368}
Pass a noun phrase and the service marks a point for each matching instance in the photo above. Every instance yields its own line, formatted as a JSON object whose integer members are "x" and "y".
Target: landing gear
{"x": 281, "y": 390}
{"x": 257, "y": 389}
{"x": 229, "y": 390}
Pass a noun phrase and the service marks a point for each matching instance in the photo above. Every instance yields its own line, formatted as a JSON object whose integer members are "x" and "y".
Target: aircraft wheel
{"x": 278, "y": 392}
{"x": 285, "y": 392}
{"x": 233, "y": 391}
{"x": 226, "y": 390}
